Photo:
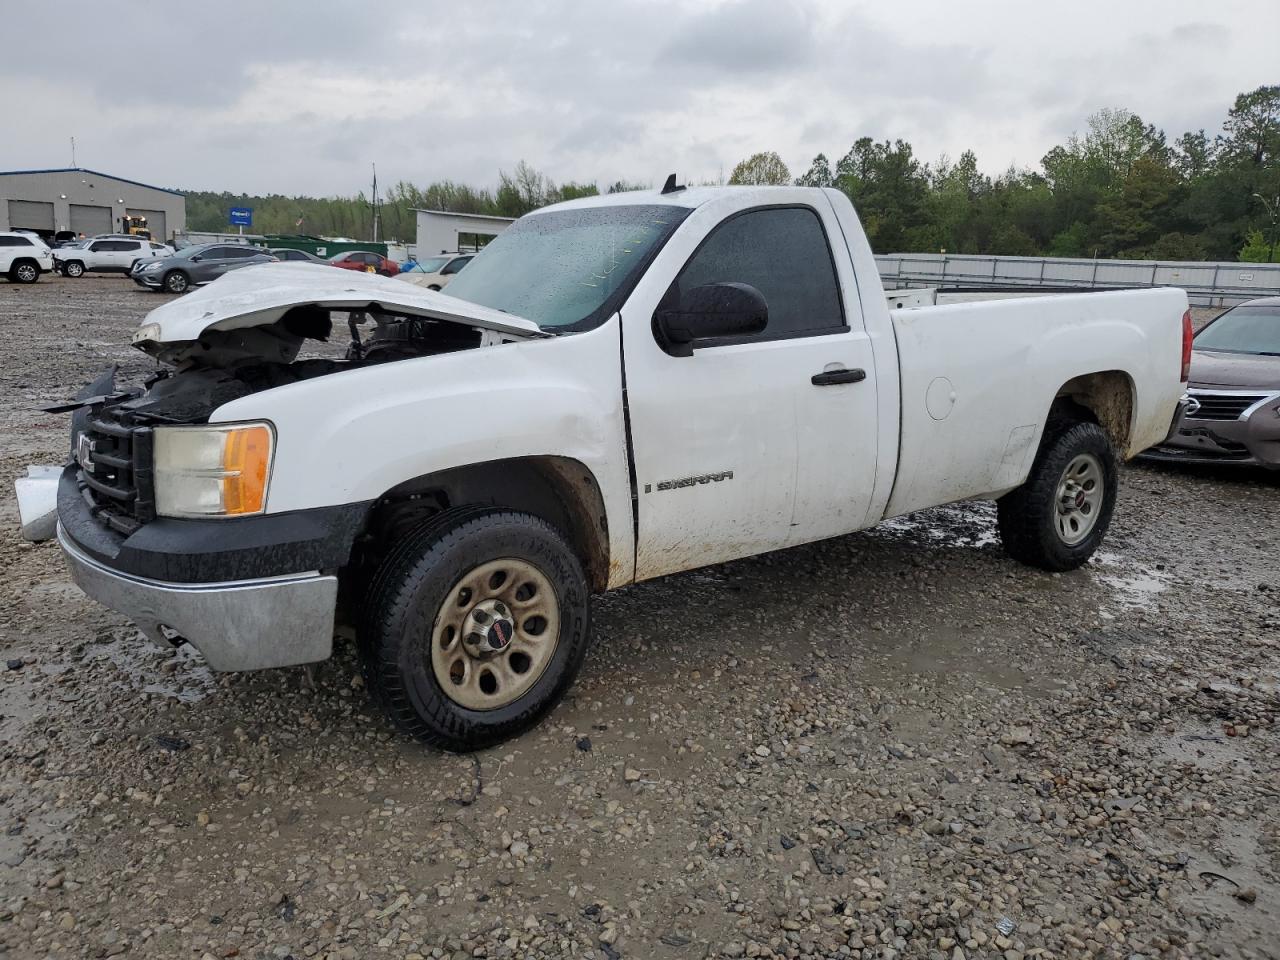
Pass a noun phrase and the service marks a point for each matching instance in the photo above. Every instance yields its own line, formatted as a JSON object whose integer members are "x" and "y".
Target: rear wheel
{"x": 73, "y": 269}
{"x": 474, "y": 627}
{"x": 175, "y": 281}
{"x": 24, "y": 271}
{"x": 1057, "y": 519}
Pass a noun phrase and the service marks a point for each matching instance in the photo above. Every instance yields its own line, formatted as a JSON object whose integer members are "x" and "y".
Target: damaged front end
{"x": 161, "y": 513}
{"x": 242, "y": 335}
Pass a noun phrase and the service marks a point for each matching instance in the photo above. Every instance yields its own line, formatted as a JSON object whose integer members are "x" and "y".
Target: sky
{"x": 300, "y": 97}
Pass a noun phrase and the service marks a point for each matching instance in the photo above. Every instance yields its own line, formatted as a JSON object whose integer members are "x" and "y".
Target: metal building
{"x": 86, "y": 201}
{"x": 442, "y": 232}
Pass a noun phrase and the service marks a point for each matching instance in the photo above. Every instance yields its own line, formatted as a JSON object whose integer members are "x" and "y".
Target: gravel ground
{"x": 897, "y": 743}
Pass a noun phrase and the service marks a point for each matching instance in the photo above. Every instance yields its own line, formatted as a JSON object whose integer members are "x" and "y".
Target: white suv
{"x": 108, "y": 254}
{"x": 23, "y": 257}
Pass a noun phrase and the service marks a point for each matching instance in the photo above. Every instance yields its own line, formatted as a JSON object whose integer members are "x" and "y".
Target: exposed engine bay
{"x": 224, "y": 365}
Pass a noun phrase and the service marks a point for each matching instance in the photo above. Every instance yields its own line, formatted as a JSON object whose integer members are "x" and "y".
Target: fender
{"x": 352, "y": 436}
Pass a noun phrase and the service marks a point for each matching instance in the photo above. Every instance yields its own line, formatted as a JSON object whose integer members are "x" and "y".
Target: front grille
{"x": 115, "y": 470}
{"x": 1219, "y": 406}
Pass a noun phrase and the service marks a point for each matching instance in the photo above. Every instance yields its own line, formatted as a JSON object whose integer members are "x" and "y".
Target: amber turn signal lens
{"x": 246, "y": 459}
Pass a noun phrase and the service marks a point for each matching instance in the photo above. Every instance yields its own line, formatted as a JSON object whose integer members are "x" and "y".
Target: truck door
{"x": 756, "y": 442}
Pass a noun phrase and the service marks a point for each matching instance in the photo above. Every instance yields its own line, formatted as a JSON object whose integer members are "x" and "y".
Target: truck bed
{"x": 978, "y": 379}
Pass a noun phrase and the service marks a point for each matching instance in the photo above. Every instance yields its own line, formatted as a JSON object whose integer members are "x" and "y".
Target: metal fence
{"x": 1207, "y": 284}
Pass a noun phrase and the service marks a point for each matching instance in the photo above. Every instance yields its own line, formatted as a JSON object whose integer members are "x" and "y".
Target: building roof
{"x": 96, "y": 173}
{"x": 466, "y": 216}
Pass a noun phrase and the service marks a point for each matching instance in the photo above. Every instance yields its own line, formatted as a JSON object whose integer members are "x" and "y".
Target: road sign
{"x": 242, "y": 216}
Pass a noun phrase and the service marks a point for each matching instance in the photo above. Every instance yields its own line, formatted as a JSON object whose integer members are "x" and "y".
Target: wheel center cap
{"x": 488, "y": 628}
{"x": 500, "y": 634}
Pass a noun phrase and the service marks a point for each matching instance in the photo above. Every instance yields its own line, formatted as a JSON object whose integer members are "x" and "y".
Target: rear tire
{"x": 474, "y": 627}
{"x": 175, "y": 281}
{"x": 1057, "y": 519}
{"x": 73, "y": 269}
{"x": 24, "y": 271}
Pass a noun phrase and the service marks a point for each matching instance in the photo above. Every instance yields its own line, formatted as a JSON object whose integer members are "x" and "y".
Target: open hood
{"x": 261, "y": 295}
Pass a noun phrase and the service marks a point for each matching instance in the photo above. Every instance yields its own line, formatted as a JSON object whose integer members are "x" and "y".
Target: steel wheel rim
{"x": 177, "y": 284}
{"x": 471, "y": 662}
{"x": 26, "y": 272}
{"x": 74, "y": 270}
{"x": 1079, "y": 500}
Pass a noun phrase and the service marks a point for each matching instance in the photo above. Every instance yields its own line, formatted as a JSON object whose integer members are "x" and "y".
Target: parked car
{"x": 195, "y": 266}
{"x": 474, "y": 471}
{"x": 107, "y": 255}
{"x": 366, "y": 262}
{"x": 1234, "y": 414}
{"x": 290, "y": 255}
{"x": 23, "y": 256}
{"x": 434, "y": 273}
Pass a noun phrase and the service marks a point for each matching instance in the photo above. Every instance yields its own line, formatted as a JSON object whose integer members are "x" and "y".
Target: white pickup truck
{"x": 616, "y": 388}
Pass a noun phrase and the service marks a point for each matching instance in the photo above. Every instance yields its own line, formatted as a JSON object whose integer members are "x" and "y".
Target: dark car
{"x": 365, "y": 261}
{"x": 194, "y": 266}
{"x": 1234, "y": 410}
{"x": 289, "y": 255}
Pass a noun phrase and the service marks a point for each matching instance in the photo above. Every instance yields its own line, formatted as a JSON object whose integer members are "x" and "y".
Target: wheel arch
{"x": 561, "y": 490}
{"x": 1109, "y": 397}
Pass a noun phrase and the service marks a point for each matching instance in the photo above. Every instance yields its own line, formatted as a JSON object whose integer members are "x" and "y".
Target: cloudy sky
{"x": 299, "y": 96}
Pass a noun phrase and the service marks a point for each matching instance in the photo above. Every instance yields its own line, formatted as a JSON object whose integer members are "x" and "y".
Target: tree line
{"x": 1121, "y": 189}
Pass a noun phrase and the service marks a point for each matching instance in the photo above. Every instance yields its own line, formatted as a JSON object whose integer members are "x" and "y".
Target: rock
{"x": 631, "y": 775}
{"x": 1018, "y": 737}
{"x": 1247, "y": 895}
{"x": 761, "y": 751}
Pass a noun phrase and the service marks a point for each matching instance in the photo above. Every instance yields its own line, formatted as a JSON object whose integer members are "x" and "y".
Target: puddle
{"x": 144, "y": 667}
{"x": 1135, "y": 586}
{"x": 971, "y": 524}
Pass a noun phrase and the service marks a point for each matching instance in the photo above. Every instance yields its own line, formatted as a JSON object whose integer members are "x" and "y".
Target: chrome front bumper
{"x": 237, "y": 625}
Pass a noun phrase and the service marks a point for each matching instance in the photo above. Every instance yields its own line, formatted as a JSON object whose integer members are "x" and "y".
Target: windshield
{"x": 1244, "y": 329}
{"x": 567, "y": 269}
{"x": 432, "y": 265}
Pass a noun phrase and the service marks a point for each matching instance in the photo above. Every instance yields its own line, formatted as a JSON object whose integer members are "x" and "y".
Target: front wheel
{"x": 176, "y": 282}
{"x": 73, "y": 269}
{"x": 1057, "y": 519}
{"x": 474, "y": 627}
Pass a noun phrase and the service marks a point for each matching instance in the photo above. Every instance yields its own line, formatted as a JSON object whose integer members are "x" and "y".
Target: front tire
{"x": 73, "y": 269}
{"x": 474, "y": 627}
{"x": 1058, "y": 518}
{"x": 175, "y": 281}
{"x": 24, "y": 271}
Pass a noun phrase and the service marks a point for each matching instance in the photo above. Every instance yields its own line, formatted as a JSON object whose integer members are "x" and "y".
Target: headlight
{"x": 213, "y": 471}
{"x": 153, "y": 266}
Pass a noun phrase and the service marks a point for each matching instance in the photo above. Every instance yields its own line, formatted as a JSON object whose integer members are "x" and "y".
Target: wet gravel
{"x": 894, "y": 744}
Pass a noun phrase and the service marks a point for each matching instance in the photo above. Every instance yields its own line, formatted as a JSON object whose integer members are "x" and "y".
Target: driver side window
{"x": 783, "y": 253}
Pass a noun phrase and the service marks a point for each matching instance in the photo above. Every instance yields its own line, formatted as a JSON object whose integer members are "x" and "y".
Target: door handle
{"x": 829, "y": 377}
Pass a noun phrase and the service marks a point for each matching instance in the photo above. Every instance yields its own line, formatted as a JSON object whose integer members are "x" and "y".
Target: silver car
{"x": 1233, "y": 414}
{"x": 195, "y": 266}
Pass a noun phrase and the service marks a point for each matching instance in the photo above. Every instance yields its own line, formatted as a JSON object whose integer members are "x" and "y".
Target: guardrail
{"x": 1207, "y": 284}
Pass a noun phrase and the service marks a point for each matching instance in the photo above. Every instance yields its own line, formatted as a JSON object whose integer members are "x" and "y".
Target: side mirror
{"x": 197, "y": 258}
{"x": 709, "y": 312}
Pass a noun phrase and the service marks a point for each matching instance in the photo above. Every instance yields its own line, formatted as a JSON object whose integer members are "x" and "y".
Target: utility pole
{"x": 73, "y": 152}
{"x": 1273, "y": 211}
{"x": 375, "y": 203}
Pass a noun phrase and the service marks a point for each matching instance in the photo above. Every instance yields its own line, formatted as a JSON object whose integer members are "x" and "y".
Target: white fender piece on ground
{"x": 38, "y": 502}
